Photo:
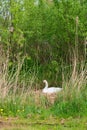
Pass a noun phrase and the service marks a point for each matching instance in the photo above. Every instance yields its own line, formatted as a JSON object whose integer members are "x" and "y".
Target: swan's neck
{"x": 46, "y": 84}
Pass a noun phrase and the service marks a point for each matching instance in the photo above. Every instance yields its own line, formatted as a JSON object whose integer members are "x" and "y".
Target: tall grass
{"x": 73, "y": 99}
{"x": 19, "y": 98}
{"x": 14, "y": 80}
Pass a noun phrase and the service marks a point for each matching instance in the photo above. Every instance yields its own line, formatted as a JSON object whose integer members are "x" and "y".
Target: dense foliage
{"x": 43, "y": 30}
{"x": 43, "y": 39}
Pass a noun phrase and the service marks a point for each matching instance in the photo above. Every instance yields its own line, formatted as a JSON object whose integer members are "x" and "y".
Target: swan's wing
{"x": 58, "y": 89}
{"x": 48, "y": 90}
{"x": 51, "y": 90}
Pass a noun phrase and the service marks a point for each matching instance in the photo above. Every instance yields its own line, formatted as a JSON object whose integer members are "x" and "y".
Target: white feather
{"x": 51, "y": 89}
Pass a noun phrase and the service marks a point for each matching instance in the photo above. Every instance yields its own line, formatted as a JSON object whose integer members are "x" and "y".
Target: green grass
{"x": 36, "y": 123}
{"x": 19, "y": 108}
{"x": 31, "y": 109}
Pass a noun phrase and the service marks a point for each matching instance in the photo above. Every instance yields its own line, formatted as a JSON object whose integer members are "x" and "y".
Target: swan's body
{"x": 50, "y": 90}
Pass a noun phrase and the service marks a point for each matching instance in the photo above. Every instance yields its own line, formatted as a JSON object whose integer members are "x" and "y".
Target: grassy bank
{"x": 37, "y": 123}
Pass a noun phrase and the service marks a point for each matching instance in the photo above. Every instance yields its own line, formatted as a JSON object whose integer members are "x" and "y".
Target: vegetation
{"x": 43, "y": 39}
{"x": 40, "y": 124}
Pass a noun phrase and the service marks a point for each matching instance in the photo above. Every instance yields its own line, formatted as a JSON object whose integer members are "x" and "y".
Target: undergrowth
{"x": 18, "y": 96}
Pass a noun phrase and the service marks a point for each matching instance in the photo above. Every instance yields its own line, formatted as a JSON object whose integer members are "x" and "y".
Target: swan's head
{"x": 44, "y": 81}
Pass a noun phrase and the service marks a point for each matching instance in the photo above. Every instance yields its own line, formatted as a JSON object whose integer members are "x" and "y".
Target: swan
{"x": 51, "y": 89}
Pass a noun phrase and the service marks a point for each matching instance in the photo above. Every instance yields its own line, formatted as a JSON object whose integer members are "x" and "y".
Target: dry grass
{"x": 74, "y": 84}
{"x": 9, "y": 84}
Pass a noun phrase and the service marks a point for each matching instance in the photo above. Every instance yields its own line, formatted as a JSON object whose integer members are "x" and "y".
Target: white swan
{"x": 50, "y": 90}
